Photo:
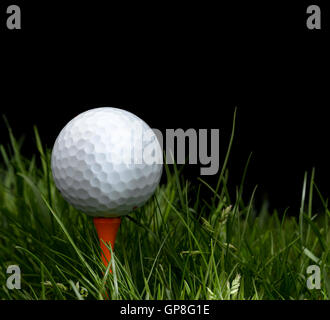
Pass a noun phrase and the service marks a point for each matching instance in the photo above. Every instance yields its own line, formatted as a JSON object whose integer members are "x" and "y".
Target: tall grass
{"x": 178, "y": 246}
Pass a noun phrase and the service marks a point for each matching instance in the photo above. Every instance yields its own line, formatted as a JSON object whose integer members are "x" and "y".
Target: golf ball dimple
{"x": 99, "y": 162}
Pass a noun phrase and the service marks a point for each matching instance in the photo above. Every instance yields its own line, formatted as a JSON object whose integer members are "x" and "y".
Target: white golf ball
{"x": 106, "y": 162}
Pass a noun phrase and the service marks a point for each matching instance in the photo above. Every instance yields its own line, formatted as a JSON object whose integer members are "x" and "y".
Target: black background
{"x": 181, "y": 66}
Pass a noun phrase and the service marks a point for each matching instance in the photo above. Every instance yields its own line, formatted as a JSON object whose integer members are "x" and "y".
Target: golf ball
{"x": 106, "y": 162}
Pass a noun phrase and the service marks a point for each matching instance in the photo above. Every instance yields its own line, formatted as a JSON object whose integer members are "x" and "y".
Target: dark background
{"x": 184, "y": 66}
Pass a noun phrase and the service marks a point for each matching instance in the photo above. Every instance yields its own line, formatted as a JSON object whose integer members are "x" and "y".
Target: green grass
{"x": 178, "y": 246}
